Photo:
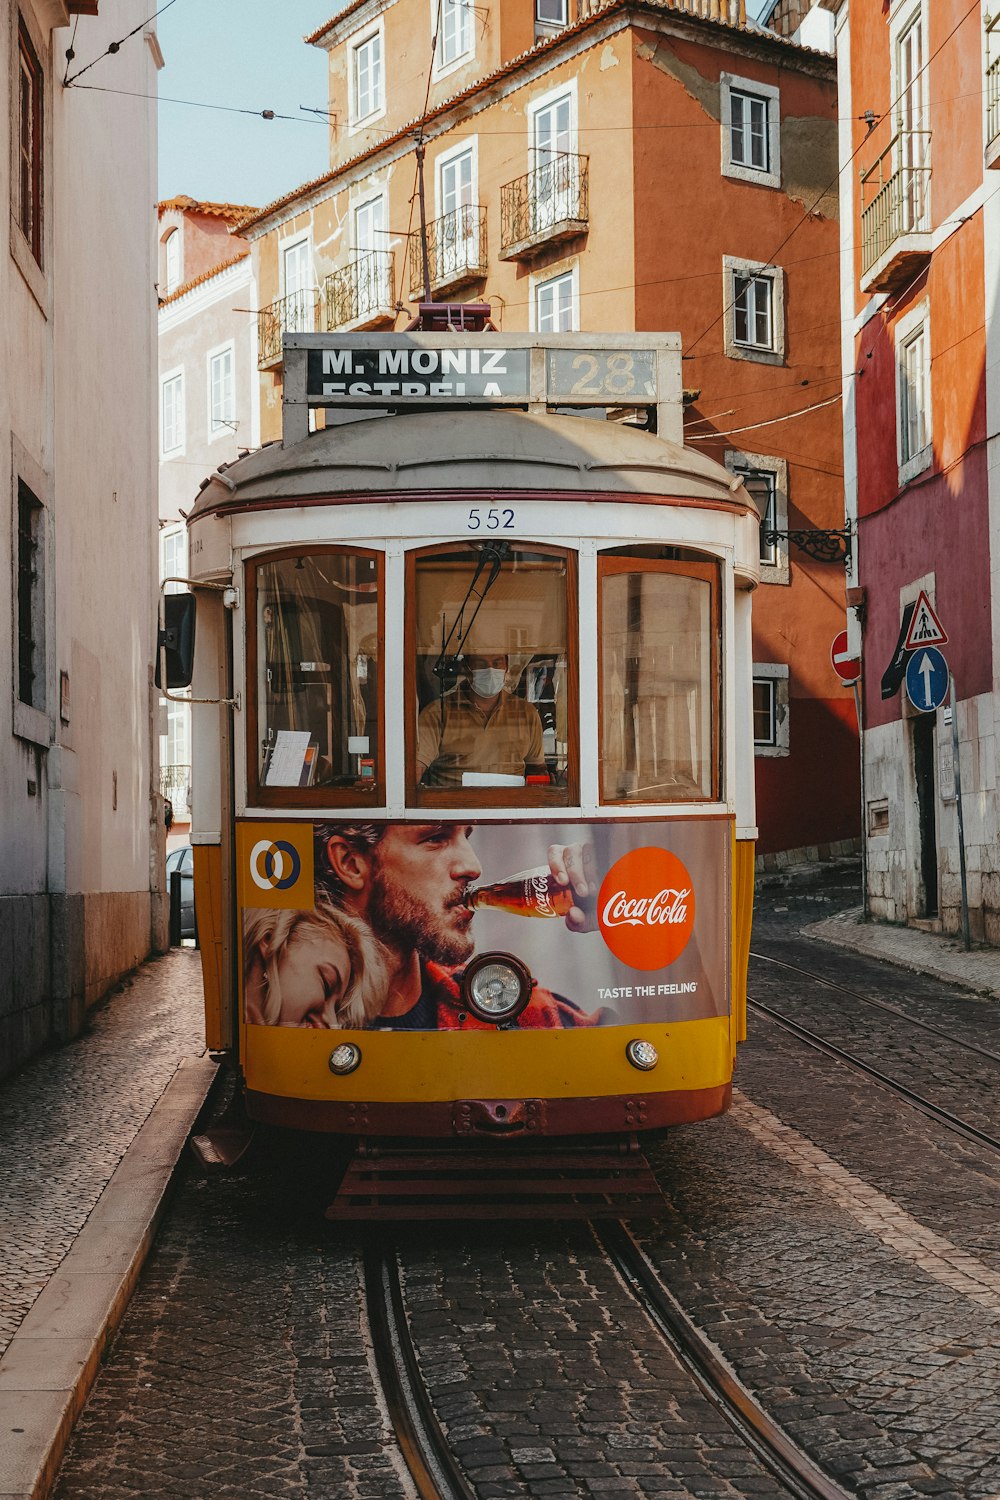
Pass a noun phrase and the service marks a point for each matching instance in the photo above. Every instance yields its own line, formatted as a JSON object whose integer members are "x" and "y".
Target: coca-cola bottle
{"x": 531, "y": 893}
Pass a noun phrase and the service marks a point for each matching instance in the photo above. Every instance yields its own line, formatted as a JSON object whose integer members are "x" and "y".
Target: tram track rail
{"x": 422, "y": 1441}
{"x": 873, "y": 1002}
{"x": 925, "y": 1106}
{"x": 771, "y": 1445}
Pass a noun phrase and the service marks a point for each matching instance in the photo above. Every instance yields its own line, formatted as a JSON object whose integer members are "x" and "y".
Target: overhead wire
{"x": 114, "y": 47}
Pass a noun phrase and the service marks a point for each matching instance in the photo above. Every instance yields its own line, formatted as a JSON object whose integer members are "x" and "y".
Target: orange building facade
{"x": 639, "y": 166}
{"x": 920, "y": 148}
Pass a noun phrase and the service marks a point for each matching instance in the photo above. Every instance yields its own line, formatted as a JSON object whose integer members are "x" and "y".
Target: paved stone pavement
{"x": 70, "y": 1115}
{"x": 924, "y": 952}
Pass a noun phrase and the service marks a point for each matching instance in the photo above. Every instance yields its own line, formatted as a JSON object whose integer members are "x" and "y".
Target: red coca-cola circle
{"x": 645, "y": 909}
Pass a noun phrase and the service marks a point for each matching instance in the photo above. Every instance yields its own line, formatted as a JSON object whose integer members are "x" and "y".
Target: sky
{"x": 247, "y": 55}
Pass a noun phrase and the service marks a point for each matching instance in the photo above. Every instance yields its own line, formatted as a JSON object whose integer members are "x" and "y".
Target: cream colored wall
{"x": 80, "y": 816}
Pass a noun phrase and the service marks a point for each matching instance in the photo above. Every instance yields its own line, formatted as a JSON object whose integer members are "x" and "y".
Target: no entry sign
{"x": 846, "y": 666}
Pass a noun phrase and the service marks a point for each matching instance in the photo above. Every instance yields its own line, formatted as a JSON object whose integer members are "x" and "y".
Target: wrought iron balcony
{"x": 362, "y": 294}
{"x": 175, "y": 785}
{"x": 993, "y": 93}
{"x": 549, "y": 204}
{"x": 895, "y": 219}
{"x": 295, "y": 313}
{"x": 456, "y": 250}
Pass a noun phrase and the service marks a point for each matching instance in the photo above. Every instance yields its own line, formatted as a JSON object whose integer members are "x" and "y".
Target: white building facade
{"x": 209, "y": 410}
{"x": 81, "y": 832}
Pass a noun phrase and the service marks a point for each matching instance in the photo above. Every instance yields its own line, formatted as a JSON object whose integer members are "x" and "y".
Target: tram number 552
{"x": 493, "y": 519}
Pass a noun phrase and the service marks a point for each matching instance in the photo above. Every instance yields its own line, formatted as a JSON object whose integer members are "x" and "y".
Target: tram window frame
{"x": 566, "y": 795}
{"x": 370, "y": 794}
{"x": 685, "y": 563}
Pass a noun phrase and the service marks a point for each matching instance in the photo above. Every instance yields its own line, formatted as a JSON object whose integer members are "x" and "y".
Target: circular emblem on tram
{"x": 645, "y": 908}
{"x": 274, "y": 866}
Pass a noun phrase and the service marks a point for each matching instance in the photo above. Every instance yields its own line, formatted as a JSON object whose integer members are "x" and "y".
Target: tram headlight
{"x": 642, "y": 1054}
{"x": 496, "y": 987}
{"x": 345, "y": 1058}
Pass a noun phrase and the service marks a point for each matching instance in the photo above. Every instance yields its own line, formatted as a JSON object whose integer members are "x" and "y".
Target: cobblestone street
{"x": 839, "y": 1247}
{"x": 73, "y": 1112}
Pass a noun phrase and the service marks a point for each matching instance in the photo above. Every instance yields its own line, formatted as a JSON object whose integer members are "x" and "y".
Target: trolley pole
{"x": 966, "y": 935}
{"x": 425, "y": 263}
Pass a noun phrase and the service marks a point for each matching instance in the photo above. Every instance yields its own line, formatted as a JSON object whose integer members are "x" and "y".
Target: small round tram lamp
{"x": 496, "y": 987}
{"x": 345, "y": 1058}
{"x": 642, "y": 1055}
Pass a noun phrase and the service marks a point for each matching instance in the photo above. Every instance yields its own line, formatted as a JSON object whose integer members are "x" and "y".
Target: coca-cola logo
{"x": 538, "y": 893}
{"x": 645, "y": 908}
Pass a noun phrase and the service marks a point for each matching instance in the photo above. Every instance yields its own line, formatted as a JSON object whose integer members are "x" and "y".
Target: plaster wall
{"x": 77, "y": 783}
{"x": 205, "y": 319}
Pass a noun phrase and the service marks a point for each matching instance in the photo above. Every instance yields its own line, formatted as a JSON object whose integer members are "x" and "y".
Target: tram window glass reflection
{"x": 317, "y": 675}
{"x": 659, "y": 677}
{"x": 492, "y": 673}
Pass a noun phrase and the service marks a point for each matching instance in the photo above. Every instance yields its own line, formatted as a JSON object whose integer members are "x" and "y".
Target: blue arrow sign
{"x": 927, "y": 679}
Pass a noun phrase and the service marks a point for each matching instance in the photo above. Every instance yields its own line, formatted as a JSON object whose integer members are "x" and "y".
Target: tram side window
{"x": 659, "y": 680}
{"x": 492, "y": 674}
{"x": 317, "y": 675}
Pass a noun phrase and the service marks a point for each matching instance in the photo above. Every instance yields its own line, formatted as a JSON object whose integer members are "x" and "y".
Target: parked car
{"x": 183, "y": 860}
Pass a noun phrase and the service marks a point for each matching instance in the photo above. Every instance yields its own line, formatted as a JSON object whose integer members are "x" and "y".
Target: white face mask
{"x": 488, "y": 681}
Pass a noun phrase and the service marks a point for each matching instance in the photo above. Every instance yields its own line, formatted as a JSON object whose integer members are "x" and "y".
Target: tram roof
{"x": 411, "y": 454}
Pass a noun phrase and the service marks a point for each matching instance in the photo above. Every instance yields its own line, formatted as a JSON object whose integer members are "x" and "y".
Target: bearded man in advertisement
{"x": 409, "y": 883}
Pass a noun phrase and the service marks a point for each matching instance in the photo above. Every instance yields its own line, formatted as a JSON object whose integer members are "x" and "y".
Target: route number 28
{"x": 494, "y": 519}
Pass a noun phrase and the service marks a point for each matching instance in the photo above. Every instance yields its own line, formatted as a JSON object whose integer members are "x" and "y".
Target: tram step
{"x": 583, "y": 1183}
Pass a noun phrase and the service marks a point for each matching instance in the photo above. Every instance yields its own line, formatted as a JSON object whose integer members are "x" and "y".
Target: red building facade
{"x": 920, "y": 141}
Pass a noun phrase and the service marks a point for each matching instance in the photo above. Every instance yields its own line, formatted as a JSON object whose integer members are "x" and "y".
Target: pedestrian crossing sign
{"x": 925, "y": 627}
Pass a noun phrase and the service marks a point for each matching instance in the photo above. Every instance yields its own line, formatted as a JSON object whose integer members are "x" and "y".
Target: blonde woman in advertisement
{"x": 320, "y": 968}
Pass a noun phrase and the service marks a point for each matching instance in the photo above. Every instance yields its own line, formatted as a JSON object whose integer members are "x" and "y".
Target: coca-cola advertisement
{"x": 374, "y": 925}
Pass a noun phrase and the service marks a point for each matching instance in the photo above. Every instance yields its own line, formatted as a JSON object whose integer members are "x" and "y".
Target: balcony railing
{"x": 548, "y": 204}
{"x": 175, "y": 785}
{"x": 363, "y": 292}
{"x": 456, "y": 250}
{"x": 897, "y": 187}
{"x": 993, "y": 82}
{"x": 295, "y": 313}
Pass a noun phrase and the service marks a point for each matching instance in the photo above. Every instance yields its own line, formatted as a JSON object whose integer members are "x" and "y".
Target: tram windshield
{"x": 317, "y": 670}
{"x": 491, "y": 670}
{"x": 659, "y": 679}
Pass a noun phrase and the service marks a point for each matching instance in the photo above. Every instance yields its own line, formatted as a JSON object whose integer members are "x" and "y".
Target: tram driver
{"x": 480, "y": 731}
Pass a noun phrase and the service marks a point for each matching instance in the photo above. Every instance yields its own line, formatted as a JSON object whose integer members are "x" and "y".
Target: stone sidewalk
{"x": 925, "y": 952}
{"x": 92, "y": 1133}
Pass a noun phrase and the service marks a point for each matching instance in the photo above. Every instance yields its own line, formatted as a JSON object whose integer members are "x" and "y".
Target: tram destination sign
{"x": 470, "y": 372}
{"x": 513, "y": 370}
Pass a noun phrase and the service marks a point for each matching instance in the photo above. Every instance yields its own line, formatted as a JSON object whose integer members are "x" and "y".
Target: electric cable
{"x": 114, "y": 47}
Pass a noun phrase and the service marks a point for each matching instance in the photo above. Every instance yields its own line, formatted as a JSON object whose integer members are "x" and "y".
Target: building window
{"x": 222, "y": 412}
{"x": 770, "y": 709}
{"x": 172, "y": 414}
{"x": 751, "y": 134}
{"x": 766, "y": 478}
{"x": 752, "y": 303}
{"x": 913, "y": 391}
{"x": 367, "y": 81}
{"x": 748, "y": 131}
{"x": 455, "y": 35}
{"x": 765, "y": 718}
{"x": 172, "y": 262}
{"x": 754, "y": 311}
{"x": 30, "y": 598}
{"x": 173, "y": 552}
{"x": 554, "y": 13}
{"x": 555, "y": 304}
{"x": 29, "y": 179}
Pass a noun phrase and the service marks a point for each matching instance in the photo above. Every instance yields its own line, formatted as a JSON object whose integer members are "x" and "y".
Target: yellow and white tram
{"x": 473, "y": 776}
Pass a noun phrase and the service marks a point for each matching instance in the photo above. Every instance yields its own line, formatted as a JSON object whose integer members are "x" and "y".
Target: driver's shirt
{"x": 456, "y": 736}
